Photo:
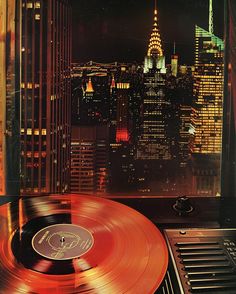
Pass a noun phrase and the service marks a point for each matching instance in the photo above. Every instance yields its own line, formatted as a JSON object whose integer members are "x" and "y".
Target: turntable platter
{"x": 78, "y": 244}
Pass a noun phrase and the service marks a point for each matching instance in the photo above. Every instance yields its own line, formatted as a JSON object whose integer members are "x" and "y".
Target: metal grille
{"x": 207, "y": 267}
{"x": 204, "y": 263}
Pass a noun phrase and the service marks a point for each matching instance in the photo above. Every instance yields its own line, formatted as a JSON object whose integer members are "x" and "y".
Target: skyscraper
{"x": 122, "y": 130}
{"x": 153, "y": 143}
{"x": 9, "y": 97}
{"x": 207, "y": 118}
{"x": 45, "y": 96}
{"x": 174, "y": 64}
{"x": 93, "y": 103}
{"x": 208, "y": 89}
{"x": 87, "y": 105}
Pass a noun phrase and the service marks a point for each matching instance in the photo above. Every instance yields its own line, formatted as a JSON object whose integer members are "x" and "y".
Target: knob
{"x": 183, "y": 205}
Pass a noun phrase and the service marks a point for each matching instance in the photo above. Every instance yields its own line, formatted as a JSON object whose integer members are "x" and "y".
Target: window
{"x": 150, "y": 103}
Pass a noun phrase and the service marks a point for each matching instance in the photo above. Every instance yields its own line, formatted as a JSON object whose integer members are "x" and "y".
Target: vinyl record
{"x": 78, "y": 244}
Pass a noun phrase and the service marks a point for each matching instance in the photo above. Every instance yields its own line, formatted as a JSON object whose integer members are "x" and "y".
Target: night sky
{"x": 119, "y": 30}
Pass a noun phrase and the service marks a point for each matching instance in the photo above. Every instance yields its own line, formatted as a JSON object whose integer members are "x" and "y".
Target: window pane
{"x": 143, "y": 118}
{"x": 160, "y": 111}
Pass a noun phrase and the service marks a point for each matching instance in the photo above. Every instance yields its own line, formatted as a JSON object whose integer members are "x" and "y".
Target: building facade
{"x": 153, "y": 143}
{"x": 89, "y": 159}
{"x": 207, "y": 117}
{"x": 45, "y": 96}
{"x": 122, "y": 126}
{"x": 208, "y": 92}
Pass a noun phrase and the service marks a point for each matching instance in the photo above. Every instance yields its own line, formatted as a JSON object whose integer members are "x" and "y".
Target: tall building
{"x": 184, "y": 91}
{"x": 208, "y": 92}
{"x": 89, "y": 159}
{"x": 153, "y": 142}
{"x": 9, "y": 97}
{"x": 93, "y": 104}
{"x": 207, "y": 118}
{"x": 45, "y": 96}
{"x": 174, "y": 64}
{"x": 122, "y": 125}
{"x": 86, "y": 105}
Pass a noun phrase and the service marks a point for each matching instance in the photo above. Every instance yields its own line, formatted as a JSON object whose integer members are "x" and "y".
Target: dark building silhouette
{"x": 89, "y": 159}
{"x": 45, "y": 96}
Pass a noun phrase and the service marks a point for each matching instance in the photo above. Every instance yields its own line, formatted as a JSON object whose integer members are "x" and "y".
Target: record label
{"x": 62, "y": 241}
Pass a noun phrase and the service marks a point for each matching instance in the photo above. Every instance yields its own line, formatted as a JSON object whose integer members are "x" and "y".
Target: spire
{"x": 155, "y": 47}
{"x": 211, "y": 29}
{"x": 113, "y": 83}
{"x": 89, "y": 87}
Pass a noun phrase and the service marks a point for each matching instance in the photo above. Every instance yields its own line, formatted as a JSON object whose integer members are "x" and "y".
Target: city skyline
{"x": 159, "y": 115}
{"x": 119, "y": 30}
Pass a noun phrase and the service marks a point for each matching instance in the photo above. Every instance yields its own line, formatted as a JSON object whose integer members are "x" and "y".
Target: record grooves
{"x": 78, "y": 244}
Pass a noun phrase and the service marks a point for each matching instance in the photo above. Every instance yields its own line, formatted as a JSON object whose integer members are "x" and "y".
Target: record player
{"x": 82, "y": 244}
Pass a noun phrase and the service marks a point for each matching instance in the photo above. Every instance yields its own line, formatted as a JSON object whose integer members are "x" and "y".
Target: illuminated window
{"x": 37, "y": 4}
{"x": 29, "y": 5}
